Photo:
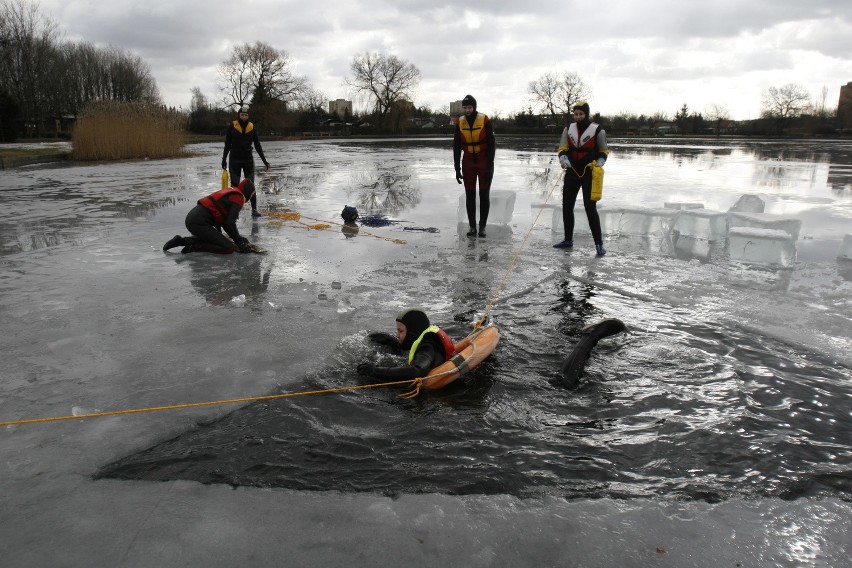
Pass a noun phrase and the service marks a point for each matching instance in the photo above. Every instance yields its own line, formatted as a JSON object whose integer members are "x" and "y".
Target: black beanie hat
{"x": 583, "y": 106}
{"x": 468, "y": 100}
{"x": 416, "y": 322}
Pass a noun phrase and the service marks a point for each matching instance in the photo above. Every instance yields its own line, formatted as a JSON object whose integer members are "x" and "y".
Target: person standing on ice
{"x": 205, "y": 221}
{"x": 582, "y": 143}
{"x": 239, "y": 139}
{"x": 427, "y": 346}
{"x": 474, "y": 135}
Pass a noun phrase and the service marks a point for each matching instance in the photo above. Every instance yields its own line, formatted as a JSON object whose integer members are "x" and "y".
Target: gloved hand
{"x": 267, "y": 166}
{"x": 224, "y": 164}
{"x": 366, "y": 368}
{"x": 564, "y": 162}
{"x": 384, "y": 339}
{"x": 459, "y": 177}
{"x": 244, "y": 247}
{"x": 601, "y": 160}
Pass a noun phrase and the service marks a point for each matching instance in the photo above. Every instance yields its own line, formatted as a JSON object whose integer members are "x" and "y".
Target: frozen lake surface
{"x": 726, "y": 402}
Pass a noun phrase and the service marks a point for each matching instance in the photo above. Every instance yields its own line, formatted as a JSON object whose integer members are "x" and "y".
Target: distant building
{"x": 844, "y": 106}
{"x": 340, "y": 107}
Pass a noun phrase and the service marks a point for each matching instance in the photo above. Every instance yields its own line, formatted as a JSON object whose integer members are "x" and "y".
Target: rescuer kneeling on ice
{"x": 205, "y": 221}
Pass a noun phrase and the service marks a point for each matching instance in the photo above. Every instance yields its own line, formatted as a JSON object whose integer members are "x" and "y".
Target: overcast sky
{"x": 636, "y": 56}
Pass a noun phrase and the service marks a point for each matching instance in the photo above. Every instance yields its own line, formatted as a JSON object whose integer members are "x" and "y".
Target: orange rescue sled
{"x": 469, "y": 352}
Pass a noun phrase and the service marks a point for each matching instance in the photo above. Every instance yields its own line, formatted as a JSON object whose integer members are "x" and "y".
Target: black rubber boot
{"x": 482, "y": 231}
{"x": 176, "y": 241}
{"x": 472, "y": 231}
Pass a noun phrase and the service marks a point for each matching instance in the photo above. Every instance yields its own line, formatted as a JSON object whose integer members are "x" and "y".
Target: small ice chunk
{"x": 344, "y": 306}
{"x": 749, "y": 203}
{"x": 761, "y": 246}
{"x": 239, "y": 300}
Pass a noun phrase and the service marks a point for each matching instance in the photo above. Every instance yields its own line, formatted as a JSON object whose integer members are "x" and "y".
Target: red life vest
{"x": 582, "y": 148}
{"x": 213, "y": 202}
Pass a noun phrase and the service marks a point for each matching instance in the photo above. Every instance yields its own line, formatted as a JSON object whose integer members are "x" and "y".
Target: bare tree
{"x": 821, "y": 107}
{"x": 130, "y": 78}
{"x": 85, "y": 73}
{"x": 386, "y": 79}
{"x": 572, "y": 91}
{"x": 312, "y": 100}
{"x": 258, "y": 73}
{"x": 785, "y": 102}
{"x": 27, "y": 40}
{"x": 717, "y": 114}
{"x": 198, "y": 100}
{"x": 558, "y": 92}
{"x": 545, "y": 90}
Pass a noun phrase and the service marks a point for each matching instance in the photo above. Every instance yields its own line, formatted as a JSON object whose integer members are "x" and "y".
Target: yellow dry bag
{"x": 597, "y": 181}
{"x": 225, "y": 180}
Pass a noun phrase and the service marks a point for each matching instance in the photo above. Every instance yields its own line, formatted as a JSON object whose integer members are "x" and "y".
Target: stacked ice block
{"x": 501, "y": 210}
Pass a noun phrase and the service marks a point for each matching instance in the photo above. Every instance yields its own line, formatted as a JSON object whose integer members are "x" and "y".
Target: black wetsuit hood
{"x": 416, "y": 322}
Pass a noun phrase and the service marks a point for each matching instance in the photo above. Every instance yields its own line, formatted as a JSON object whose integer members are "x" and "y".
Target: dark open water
{"x": 675, "y": 407}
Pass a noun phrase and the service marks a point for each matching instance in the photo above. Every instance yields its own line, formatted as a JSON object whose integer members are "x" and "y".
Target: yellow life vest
{"x": 449, "y": 347}
{"x": 239, "y": 128}
{"x": 472, "y": 134}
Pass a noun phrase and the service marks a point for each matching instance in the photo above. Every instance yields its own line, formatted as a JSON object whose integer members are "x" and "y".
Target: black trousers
{"x": 208, "y": 235}
{"x": 235, "y": 167}
{"x": 570, "y": 189}
{"x": 474, "y": 170}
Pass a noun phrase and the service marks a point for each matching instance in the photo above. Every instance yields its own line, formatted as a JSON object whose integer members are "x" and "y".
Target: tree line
{"x": 261, "y": 77}
{"x": 44, "y": 81}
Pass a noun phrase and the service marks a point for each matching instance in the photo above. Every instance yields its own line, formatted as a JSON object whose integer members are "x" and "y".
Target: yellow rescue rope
{"x": 416, "y": 382}
{"x": 496, "y": 293}
{"x": 322, "y": 224}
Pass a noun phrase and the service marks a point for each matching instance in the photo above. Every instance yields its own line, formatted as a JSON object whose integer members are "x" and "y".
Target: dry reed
{"x": 111, "y": 130}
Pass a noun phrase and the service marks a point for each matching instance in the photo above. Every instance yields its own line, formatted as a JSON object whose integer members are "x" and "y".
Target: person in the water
{"x": 427, "y": 347}
{"x": 205, "y": 221}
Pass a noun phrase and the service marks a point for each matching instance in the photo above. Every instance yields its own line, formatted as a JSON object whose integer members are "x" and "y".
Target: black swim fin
{"x": 572, "y": 368}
